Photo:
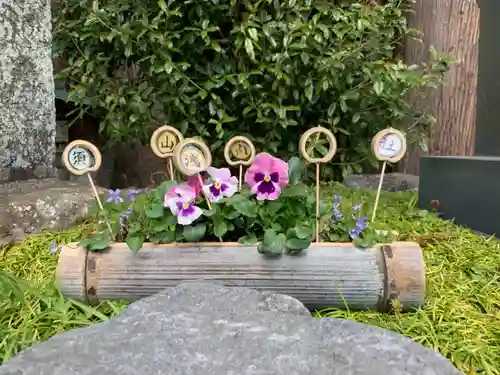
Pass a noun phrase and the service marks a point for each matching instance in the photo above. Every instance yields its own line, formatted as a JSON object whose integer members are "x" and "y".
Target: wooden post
{"x": 452, "y": 28}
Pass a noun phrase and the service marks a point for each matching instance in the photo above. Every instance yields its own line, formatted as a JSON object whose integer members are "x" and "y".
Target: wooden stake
{"x": 82, "y": 157}
{"x": 239, "y": 151}
{"x": 206, "y": 198}
{"x": 241, "y": 177}
{"x": 99, "y": 203}
{"x": 171, "y": 168}
{"x": 379, "y": 189}
{"x": 318, "y": 218}
{"x": 306, "y": 154}
{"x": 163, "y": 143}
{"x": 388, "y": 145}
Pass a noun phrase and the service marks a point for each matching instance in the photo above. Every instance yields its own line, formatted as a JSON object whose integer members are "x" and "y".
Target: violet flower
{"x": 267, "y": 176}
{"x": 336, "y": 214}
{"x": 53, "y": 249}
{"x": 114, "y": 196}
{"x": 132, "y": 194}
{"x": 360, "y": 225}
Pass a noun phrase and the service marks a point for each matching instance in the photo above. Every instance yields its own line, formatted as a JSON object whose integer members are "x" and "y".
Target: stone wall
{"x": 27, "y": 110}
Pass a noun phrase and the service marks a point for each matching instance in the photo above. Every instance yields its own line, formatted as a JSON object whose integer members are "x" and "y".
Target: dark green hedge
{"x": 267, "y": 69}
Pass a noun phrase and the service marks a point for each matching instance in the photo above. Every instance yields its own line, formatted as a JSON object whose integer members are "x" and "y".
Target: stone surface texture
{"x": 27, "y": 108}
{"x": 392, "y": 181}
{"x": 30, "y": 206}
{"x": 206, "y": 329}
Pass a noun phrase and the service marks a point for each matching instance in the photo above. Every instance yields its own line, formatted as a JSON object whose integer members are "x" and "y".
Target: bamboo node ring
{"x": 389, "y": 145}
{"x": 81, "y": 157}
{"x": 192, "y": 156}
{"x": 164, "y": 140}
{"x": 239, "y": 151}
{"x": 332, "y": 149}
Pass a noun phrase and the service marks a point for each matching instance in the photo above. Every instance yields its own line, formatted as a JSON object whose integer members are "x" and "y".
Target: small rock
{"x": 201, "y": 329}
{"x": 30, "y": 206}
{"x": 392, "y": 181}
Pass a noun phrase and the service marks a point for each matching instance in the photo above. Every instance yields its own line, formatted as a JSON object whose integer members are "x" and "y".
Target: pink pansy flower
{"x": 223, "y": 184}
{"x": 180, "y": 200}
{"x": 267, "y": 176}
{"x": 194, "y": 182}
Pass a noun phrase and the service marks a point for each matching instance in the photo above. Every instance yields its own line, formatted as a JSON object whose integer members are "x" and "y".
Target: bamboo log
{"x": 326, "y": 275}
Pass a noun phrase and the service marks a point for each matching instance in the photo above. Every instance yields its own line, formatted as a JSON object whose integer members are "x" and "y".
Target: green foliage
{"x": 216, "y": 68}
{"x": 285, "y": 225}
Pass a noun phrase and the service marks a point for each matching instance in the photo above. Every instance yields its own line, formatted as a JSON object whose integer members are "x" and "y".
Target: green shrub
{"x": 268, "y": 69}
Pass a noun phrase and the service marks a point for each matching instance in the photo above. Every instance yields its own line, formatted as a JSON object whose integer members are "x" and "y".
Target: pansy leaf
{"x": 294, "y": 172}
{"x": 96, "y": 242}
{"x": 155, "y": 210}
{"x": 249, "y": 239}
{"x": 164, "y": 187}
{"x": 220, "y": 228}
{"x": 135, "y": 241}
{"x": 237, "y": 198}
{"x": 273, "y": 207}
{"x": 303, "y": 232}
{"x": 273, "y": 244}
{"x": 209, "y": 213}
{"x": 166, "y": 236}
{"x": 295, "y": 191}
{"x": 294, "y": 244}
{"x": 194, "y": 233}
{"x": 247, "y": 207}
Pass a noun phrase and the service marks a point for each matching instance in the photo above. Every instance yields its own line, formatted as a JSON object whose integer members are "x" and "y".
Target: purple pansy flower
{"x": 114, "y": 196}
{"x": 180, "y": 200}
{"x": 223, "y": 184}
{"x": 267, "y": 176}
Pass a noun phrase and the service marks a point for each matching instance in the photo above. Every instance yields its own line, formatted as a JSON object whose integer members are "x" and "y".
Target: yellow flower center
{"x": 217, "y": 185}
{"x": 185, "y": 205}
{"x": 267, "y": 179}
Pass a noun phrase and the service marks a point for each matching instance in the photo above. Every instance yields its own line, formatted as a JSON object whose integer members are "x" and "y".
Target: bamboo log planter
{"x": 326, "y": 275}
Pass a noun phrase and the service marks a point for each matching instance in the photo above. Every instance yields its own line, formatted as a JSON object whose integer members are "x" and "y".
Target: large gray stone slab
{"x": 206, "y": 329}
{"x": 27, "y": 107}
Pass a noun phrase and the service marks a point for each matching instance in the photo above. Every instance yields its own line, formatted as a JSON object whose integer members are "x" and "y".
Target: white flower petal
{"x": 171, "y": 203}
{"x": 188, "y": 219}
{"x": 219, "y": 174}
{"x": 231, "y": 189}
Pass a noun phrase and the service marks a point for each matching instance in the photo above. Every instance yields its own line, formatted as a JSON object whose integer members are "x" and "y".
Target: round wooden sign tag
{"x": 81, "y": 157}
{"x": 164, "y": 141}
{"x": 332, "y": 141}
{"x": 192, "y": 156}
{"x": 239, "y": 151}
{"x": 389, "y": 145}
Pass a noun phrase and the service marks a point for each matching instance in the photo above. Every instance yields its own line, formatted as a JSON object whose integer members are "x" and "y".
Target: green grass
{"x": 460, "y": 319}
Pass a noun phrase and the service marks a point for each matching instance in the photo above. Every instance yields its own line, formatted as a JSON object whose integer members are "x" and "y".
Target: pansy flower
{"x": 267, "y": 176}
{"x": 180, "y": 200}
{"x": 223, "y": 184}
{"x": 196, "y": 182}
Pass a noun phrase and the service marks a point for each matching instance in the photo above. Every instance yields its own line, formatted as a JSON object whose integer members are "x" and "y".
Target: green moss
{"x": 460, "y": 318}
